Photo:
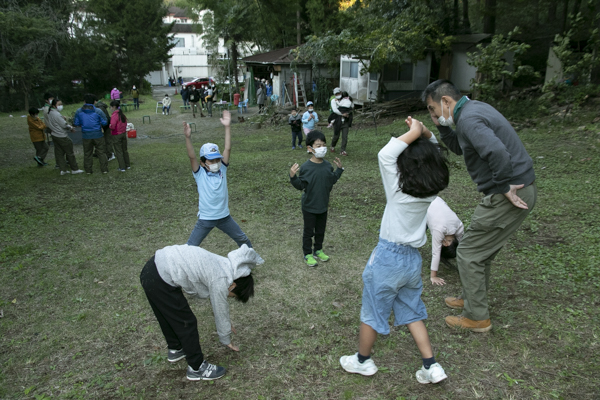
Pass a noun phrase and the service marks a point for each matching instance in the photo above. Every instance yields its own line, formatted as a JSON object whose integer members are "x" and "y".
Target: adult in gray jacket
{"x": 202, "y": 274}
{"x": 63, "y": 145}
{"x": 503, "y": 171}
{"x": 260, "y": 98}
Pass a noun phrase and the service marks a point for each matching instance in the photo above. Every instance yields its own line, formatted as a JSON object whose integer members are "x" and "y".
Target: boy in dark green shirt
{"x": 316, "y": 178}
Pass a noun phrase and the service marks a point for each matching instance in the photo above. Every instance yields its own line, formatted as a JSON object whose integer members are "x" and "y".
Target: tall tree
{"x": 466, "y": 21}
{"x": 489, "y": 21}
{"x": 140, "y": 41}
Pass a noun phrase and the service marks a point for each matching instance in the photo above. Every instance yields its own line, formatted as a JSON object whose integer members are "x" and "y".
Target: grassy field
{"x": 76, "y": 324}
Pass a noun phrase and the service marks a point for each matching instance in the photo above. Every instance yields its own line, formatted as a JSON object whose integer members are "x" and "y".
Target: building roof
{"x": 472, "y": 39}
{"x": 279, "y": 56}
{"x": 177, "y": 12}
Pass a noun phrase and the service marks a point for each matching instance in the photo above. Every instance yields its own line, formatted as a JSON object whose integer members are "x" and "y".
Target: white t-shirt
{"x": 404, "y": 219}
{"x": 441, "y": 221}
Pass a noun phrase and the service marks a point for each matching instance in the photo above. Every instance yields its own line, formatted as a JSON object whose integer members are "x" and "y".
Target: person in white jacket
{"x": 199, "y": 273}
{"x": 166, "y": 103}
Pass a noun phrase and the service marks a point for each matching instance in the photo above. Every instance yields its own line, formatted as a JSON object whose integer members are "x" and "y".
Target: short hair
{"x": 450, "y": 251}
{"x": 439, "y": 88}
{"x": 89, "y": 98}
{"x": 423, "y": 169}
{"x": 33, "y": 111}
{"x": 47, "y": 95}
{"x": 313, "y": 136}
{"x": 244, "y": 288}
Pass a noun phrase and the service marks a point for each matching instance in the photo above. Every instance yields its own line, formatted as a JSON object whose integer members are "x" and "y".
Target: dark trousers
{"x": 136, "y": 103}
{"x": 336, "y": 135}
{"x": 88, "y": 151}
{"x": 120, "y": 146}
{"x": 209, "y": 107}
{"x": 108, "y": 147}
{"x": 314, "y": 225}
{"x": 41, "y": 149}
{"x": 63, "y": 146}
{"x": 175, "y": 317}
{"x": 296, "y": 135}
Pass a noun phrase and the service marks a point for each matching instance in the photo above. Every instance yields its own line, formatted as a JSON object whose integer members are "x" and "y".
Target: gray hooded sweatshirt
{"x": 203, "y": 274}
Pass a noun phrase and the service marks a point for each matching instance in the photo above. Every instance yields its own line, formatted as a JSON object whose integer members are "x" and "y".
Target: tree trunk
{"x": 234, "y": 64}
{"x": 489, "y": 17}
{"x": 552, "y": 12}
{"x": 298, "y": 33}
{"x": 455, "y": 14}
{"x": 565, "y": 15}
{"x": 466, "y": 21}
{"x": 576, "y": 7}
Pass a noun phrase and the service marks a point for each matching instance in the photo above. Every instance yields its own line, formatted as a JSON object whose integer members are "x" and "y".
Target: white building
{"x": 190, "y": 56}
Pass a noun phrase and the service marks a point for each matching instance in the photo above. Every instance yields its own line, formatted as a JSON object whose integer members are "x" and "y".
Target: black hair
{"x": 47, "y": 95}
{"x": 439, "y": 88}
{"x": 450, "y": 251}
{"x": 313, "y": 136}
{"x": 244, "y": 288}
{"x": 53, "y": 104}
{"x": 117, "y": 103}
{"x": 33, "y": 111}
{"x": 423, "y": 169}
{"x": 89, "y": 98}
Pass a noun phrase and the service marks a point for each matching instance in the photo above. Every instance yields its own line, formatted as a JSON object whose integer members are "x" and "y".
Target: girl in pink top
{"x": 118, "y": 126}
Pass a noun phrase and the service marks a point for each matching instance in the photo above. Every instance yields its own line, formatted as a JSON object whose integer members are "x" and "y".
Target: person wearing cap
{"x": 310, "y": 118}
{"x": 211, "y": 179}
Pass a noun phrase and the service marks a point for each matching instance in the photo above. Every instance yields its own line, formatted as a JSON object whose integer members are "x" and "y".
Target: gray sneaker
{"x": 175, "y": 355}
{"x": 206, "y": 372}
{"x": 434, "y": 374}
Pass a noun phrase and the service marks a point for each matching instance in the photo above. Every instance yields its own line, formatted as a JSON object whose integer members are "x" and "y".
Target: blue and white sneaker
{"x": 206, "y": 372}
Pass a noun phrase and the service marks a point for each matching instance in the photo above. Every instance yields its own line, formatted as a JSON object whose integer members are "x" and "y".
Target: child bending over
{"x": 446, "y": 231}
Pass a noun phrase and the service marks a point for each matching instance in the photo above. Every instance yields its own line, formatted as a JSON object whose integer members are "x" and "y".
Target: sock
{"x": 428, "y": 362}
{"x": 362, "y": 359}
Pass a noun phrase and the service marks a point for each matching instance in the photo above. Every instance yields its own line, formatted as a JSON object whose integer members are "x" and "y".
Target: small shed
{"x": 454, "y": 65}
{"x": 276, "y": 66}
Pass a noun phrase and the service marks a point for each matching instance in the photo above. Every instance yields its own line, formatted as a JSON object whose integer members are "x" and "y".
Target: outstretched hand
{"x": 337, "y": 162}
{"x": 187, "y": 131}
{"x": 226, "y": 118}
{"x": 437, "y": 281}
{"x": 295, "y": 168}
{"x": 516, "y": 201}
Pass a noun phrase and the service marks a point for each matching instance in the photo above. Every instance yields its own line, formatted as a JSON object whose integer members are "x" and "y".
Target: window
{"x": 179, "y": 42}
{"x": 398, "y": 72}
{"x": 349, "y": 69}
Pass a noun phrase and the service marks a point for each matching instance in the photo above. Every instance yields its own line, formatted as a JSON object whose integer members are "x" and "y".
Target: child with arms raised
{"x": 413, "y": 172}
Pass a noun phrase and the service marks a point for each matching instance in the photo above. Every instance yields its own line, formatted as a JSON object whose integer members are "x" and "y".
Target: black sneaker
{"x": 175, "y": 355}
{"x": 206, "y": 372}
{"x": 39, "y": 161}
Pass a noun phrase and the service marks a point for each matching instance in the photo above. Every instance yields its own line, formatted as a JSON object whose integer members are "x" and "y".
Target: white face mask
{"x": 320, "y": 151}
{"x": 214, "y": 167}
{"x": 310, "y": 110}
{"x": 339, "y": 96}
{"x": 445, "y": 121}
{"x": 59, "y": 108}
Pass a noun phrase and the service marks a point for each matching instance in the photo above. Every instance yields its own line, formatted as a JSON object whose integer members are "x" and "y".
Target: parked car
{"x": 198, "y": 82}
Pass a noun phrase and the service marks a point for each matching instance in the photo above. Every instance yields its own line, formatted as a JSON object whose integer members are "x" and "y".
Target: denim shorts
{"x": 392, "y": 281}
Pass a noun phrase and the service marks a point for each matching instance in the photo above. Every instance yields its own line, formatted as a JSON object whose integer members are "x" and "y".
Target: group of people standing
{"x": 206, "y": 95}
{"x": 102, "y": 133}
{"x": 264, "y": 91}
{"x": 413, "y": 171}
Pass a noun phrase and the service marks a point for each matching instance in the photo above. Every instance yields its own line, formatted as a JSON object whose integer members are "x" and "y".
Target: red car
{"x": 199, "y": 82}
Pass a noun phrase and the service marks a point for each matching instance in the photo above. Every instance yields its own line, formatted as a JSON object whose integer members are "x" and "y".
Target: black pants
{"x": 314, "y": 225}
{"x": 297, "y": 135}
{"x": 177, "y": 321}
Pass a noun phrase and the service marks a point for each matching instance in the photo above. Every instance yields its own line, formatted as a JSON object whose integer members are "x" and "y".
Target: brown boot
{"x": 466, "y": 323}
{"x": 455, "y": 302}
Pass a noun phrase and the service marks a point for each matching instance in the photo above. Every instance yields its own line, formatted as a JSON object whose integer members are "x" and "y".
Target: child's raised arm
{"x": 187, "y": 132}
{"x": 226, "y": 121}
{"x": 415, "y": 130}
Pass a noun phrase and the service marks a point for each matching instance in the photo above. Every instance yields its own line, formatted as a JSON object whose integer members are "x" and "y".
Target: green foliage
{"x": 495, "y": 71}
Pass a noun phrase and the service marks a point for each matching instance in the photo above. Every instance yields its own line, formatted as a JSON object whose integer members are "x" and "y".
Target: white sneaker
{"x": 351, "y": 364}
{"x": 434, "y": 374}
{"x": 112, "y": 157}
{"x": 163, "y": 113}
{"x": 79, "y": 171}
{"x": 65, "y": 172}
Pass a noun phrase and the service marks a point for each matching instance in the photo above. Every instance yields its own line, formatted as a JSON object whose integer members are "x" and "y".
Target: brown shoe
{"x": 455, "y": 302}
{"x": 466, "y": 323}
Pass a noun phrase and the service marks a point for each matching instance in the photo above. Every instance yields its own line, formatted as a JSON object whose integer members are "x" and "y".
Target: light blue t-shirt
{"x": 213, "y": 197}
{"x": 309, "y": 124}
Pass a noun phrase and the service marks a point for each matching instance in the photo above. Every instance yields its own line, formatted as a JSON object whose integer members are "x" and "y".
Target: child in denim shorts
{"x": 413, "y": 172}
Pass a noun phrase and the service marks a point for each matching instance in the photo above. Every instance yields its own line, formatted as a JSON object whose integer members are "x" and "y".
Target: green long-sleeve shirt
{"x": 316, "y": 180}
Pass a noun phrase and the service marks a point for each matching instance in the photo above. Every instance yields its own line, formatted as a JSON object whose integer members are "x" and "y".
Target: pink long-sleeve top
{"x": 116, "y": 125}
